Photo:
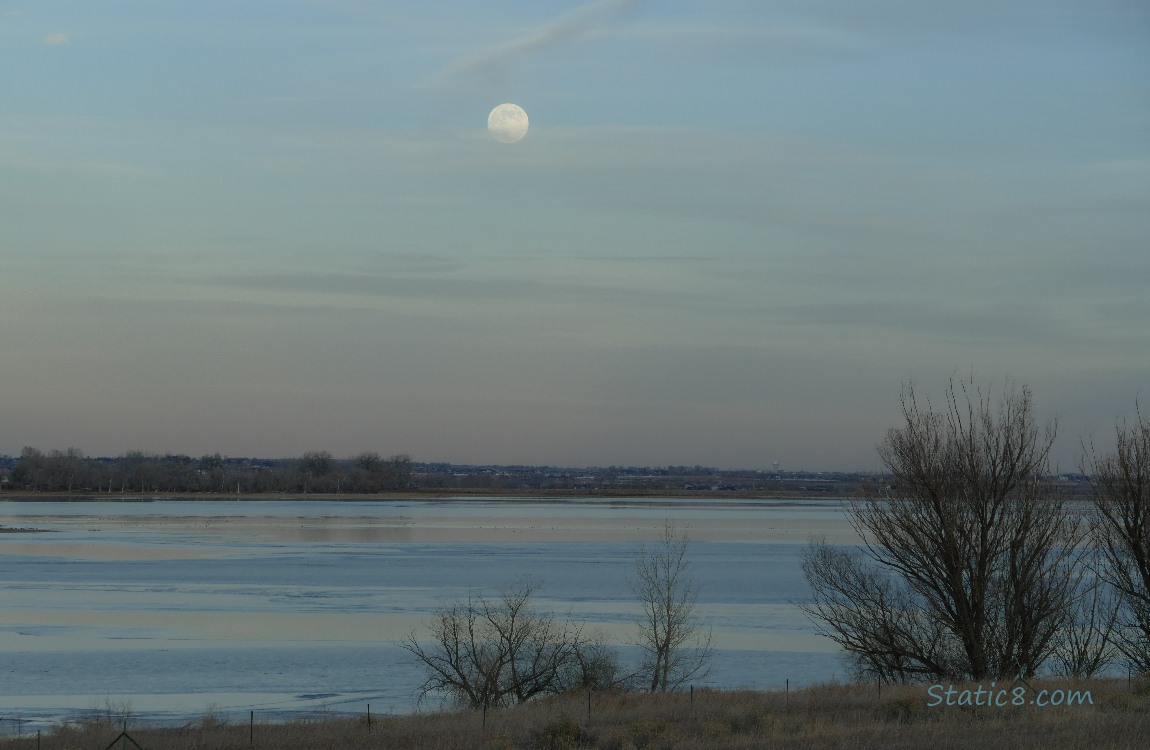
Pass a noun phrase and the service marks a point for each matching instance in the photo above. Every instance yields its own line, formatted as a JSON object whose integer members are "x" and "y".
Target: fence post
{"x": 369, "y": 716}
{"x": 787, "y": 699}
{"x": 252, "y": 729}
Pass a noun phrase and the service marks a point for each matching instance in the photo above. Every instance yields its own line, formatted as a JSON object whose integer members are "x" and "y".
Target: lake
{"x": 171, "y": 608}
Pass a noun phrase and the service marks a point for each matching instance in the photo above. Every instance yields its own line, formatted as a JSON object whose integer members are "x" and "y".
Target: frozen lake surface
{"x": 281, "y": 607}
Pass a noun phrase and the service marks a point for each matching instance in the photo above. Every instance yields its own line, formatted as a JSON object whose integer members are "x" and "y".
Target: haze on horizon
{"x": 733, "y": 231}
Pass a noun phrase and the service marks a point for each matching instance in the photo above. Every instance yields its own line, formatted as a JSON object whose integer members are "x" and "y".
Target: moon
{"x": 507, "y": 123}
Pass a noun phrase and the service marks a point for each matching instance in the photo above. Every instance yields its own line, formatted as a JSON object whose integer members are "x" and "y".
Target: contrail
{"x": 496, "y": 60}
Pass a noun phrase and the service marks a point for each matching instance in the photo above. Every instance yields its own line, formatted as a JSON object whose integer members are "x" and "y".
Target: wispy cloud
{"x": 428, "y": 287}
{"x": 495, "y": 61}
{"x": 58, "y": 39}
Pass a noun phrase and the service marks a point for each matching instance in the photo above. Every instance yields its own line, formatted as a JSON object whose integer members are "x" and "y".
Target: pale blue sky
{"x": 732, "y": 232}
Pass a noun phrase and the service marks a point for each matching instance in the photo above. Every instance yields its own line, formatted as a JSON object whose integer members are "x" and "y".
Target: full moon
{"x": 507, "y": 123}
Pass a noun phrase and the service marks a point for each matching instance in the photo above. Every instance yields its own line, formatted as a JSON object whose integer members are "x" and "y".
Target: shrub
{"x": 562, "y": 733}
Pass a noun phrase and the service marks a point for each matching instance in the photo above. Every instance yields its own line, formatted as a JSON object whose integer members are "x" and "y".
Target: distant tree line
{"x": 315, "y": 472}
{"x": 319, "y": 472}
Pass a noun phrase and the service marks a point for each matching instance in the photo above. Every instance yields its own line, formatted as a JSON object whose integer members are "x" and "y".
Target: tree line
{"x": 136, "y": 471}
{"x": 974, "y": 566}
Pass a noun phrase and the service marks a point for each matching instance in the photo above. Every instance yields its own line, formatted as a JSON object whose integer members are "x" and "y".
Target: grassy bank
{"x": 831, "y": 716}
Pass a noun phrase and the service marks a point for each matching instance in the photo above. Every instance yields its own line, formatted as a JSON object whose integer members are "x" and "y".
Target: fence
{"x": 122, "y": 719}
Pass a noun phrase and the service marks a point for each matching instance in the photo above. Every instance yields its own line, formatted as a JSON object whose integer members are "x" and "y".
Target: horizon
{"x": 1051, "y": 471}
{"x": 731, "y": 234}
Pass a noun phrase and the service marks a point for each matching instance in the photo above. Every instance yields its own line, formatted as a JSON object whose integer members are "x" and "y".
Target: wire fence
{"x": 122, "y": 718}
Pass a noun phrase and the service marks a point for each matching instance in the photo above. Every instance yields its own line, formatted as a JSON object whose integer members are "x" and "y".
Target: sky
{"x": 732, "y": 234}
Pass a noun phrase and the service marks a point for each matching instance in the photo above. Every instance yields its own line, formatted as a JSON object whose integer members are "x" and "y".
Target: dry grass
{"x": 829, "y": 716}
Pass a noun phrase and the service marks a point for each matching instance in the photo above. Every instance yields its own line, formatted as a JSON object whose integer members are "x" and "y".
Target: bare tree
{"x": 674, "y": 645}
{"x": 213, "y": 469}
{"x": 1086, "y": 644}
{"x": 366, "y": 470}
{"x": 29, "y": 471}
{"x": 397, "y": 471}
{"x": 139, "y": 471}
{"x": 318, "y": 469}
{"x": 597, "y": 662}
{"x": 1121, "y": 531}
{"x": 316, "y": 463}
{"x": 874, "y": 617}
{"x": 969, "y": 557}
{"x": 64, "y": 468}
{"x": 368, "y": 461}
{"x": 488, "y": 653}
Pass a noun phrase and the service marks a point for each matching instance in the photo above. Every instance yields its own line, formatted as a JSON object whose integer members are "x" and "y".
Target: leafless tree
{"x": 1086, "y": 644}
{"x": 368, "y": 461}
{"x": 316, "y": 463}
{"x": 65, "y": 467}
{"x": 319, "y": 471}
{"x": 53, "y": 471}
{"x": 396, "y": 472}
{"x": 366, "y": 470}
{"x": 213, "y": 468}
{"x": 1121, "y": 531}
{"x": 597, "y": 663}
{"x": 969, "y": 557}
{"x": 488, "y": 653}
{"x": 675, "y": 647}
{"x": 139, "y": 471}
{"x": 30, "y": 469}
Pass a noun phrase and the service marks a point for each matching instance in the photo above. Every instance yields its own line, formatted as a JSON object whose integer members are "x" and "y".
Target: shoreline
{"x": 463, "y": 495}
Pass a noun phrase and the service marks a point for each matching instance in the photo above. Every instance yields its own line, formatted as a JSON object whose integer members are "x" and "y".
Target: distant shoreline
{"x": 429, "y": 495}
